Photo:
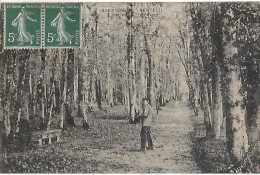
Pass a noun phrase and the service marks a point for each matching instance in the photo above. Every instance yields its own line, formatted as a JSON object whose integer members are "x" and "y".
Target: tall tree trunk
{"x": 126, "y": 98}
{"x": 256, "y": 130}
{"x": 70, "y": 108}
{"x": 7, "y": 122}
{"x": 201, "y": 58}
{"x": 204, "y": 90}
{"x": 50, "y": 87}
{"x": 76, "y": 82}
{"x": 253, "y": 116}
{"x": 217, "y": 51}
{"x": 110, "y": 99}
{"x": 109, "y": 84}
{"x": 42, "y": 88}
{"x": 133, "y": 84}
{"x": 6, "y": 102}
{"x": 150, "y": 93}
{"x": 237, "y": 118}
{"x": 252, "y": 103}
{"x": 91, "y": 92}
{"x": 63, "y": 86}
{"x": 219, "y": 74}
{"x": 50, "y": 115}
{"x": 82, "y": 102}
{"x": 206, "y": 107}
{"x": 2, "y": 85}
{"x": 216, "y": 108}
{"x": 143, "y": 80}
{"x": 131, "y": 63}
{"x": 237, "y": 140}
{"x": 98, "y": 94}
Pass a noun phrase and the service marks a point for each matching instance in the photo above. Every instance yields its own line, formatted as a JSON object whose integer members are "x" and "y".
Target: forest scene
{"x": 76, "y": 110}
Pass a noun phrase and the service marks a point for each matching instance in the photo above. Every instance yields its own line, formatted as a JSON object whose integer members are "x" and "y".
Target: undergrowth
{"x": 211, "y": 156}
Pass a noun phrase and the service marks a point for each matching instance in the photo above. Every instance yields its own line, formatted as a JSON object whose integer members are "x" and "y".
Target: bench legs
{"x": 58, "y": 138}
{"x": 49, "y": 140}
{"x": 40, "y": 141}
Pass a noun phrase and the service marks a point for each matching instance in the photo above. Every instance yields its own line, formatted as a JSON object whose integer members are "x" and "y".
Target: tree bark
{"x": 98, "y": 94}
{"x": 150, "y": 93}
{"x": 69, "y": 107}
{"x": 6, "y": 102}
{"x": 217, "y": 52}
{"x": 237, "y": 139}
{"x": 216, "y": 108}
{"x": 109, "y": 85}
{"x": 76, "y": 82}
{"x": 131, "y": 63}
{"x": 133, "y": 84}
{"x": 143, "y": 80}
{"x": 63, "y": 86}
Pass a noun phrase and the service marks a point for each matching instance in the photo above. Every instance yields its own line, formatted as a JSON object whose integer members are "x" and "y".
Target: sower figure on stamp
{"x": 20, "y": 23}
{"x": 59, "y": 22}
{"x": 146, "y": 121}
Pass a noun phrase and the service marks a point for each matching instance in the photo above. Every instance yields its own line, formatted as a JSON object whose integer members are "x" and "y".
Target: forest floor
{"x": 112, "y": 145}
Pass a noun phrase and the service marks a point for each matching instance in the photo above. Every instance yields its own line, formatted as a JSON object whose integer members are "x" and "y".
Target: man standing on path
{"x": 146, "y": 121}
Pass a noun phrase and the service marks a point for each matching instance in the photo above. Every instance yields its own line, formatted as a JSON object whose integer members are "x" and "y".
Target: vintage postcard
{"x": 129, "y": 87}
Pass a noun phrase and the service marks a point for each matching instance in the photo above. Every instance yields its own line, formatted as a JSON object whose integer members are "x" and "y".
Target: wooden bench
{"x": 41, "y": 136}
{"x": 200, "y": 131}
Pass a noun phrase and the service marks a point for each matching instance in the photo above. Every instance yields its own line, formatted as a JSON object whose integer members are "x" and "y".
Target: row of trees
{"x": 219, "y": 49}
{"x": 133, "y": 54}
{"x": 124, "y": 58}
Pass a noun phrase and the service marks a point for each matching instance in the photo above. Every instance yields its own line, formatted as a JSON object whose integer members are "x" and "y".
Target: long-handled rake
{"x": 161, "y": 145}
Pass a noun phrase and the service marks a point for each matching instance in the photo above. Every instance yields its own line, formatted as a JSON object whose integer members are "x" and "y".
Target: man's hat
{"x": 145, "y": 99}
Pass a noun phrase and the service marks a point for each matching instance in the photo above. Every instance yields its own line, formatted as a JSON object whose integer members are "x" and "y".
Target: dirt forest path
{"x": 172, "y": 129}
{"x": 112, "y": 145}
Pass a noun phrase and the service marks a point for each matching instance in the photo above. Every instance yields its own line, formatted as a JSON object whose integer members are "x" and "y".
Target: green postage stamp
{"x": 23, "y": 25}
{"x": 62, "y": 25}
{"x": 42, "y": 25}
